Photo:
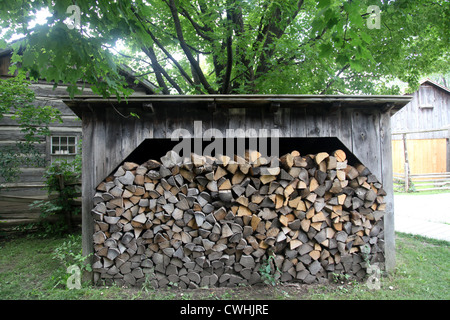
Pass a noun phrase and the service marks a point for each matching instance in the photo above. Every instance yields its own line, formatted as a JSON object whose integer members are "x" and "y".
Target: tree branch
{"x": 334, "y": 78}
{"x": 238, "y": 23}
{"x": 273, "y": 30}
{"x": 193, "y": 62}
{"x": 285, "y": 60}
{"x": 229, "y": 44}
{"x": 199, "y": 29}
{"x": 125, "y": 55}
{"x": 159, "y": 70}
{"x": 163, "y": 49}
{"x": 175, "y": 37}
{"x": 215, "y": 43}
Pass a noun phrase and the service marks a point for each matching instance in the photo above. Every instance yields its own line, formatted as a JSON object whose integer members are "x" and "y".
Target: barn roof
{"x": 435, "y": 84}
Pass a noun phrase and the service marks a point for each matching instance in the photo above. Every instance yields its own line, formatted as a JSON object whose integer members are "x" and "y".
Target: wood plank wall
{"x": 429, "y": 109}
{"x": 425, "y": 156}
{"x": 355, "y": 129}
{"x": 16, "y": 197}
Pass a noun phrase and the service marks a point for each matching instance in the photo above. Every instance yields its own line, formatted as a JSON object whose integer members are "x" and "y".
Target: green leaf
{"x": 366, "y": 37}
{"x": 325, "y": 50}
{"x": 317, "y": 25}
{"x": 323, "y": 4}
{"x": 355, "y": 65}
{"x": 342, "y": 60}
{"x": 135, "y": 115}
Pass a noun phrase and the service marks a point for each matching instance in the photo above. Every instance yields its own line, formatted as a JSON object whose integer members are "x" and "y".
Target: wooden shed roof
{"x": 380, "y": 103}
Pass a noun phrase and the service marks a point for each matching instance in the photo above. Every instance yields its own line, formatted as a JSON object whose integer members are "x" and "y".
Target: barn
{"x": 420, "y": 137}
{"x": 325, "y": 207}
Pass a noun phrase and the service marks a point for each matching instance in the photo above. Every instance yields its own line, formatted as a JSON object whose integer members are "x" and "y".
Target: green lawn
{"x": 422, "y": 190}
{"x": 29, "y": 270}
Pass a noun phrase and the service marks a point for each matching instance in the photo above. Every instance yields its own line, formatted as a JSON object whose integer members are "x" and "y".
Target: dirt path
{"x": 425, "y": 215}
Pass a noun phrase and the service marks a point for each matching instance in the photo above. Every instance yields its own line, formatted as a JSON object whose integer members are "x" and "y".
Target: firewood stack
{"x": 216, "y": 221}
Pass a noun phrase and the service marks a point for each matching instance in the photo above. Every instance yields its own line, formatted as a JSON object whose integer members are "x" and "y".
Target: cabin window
{"x": 64, "y": 145}
{"x": 426, "y": 97}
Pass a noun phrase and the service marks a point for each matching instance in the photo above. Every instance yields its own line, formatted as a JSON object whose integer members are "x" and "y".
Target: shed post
{"x": 388, "y": 185}
{"x": 448, "y": 150}
{"x": 87, "y": 223}
{"x": 405, "y": 152}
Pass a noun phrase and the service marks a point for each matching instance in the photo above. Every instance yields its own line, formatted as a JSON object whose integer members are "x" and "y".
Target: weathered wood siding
{"x": 358, "y": 132}
{"x": 429, "y": 109}
{"x": 16, "y": 197}
{"x": 108, "y": 138}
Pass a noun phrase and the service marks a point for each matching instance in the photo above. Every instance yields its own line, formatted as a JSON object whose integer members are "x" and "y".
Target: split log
{"x": 210, "y": 221}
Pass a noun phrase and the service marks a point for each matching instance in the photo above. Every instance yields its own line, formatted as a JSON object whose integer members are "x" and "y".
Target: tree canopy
{"x": 233, "y": 46}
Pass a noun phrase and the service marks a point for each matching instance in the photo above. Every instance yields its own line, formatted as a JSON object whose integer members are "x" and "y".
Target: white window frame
{"x": 60, "y": 145}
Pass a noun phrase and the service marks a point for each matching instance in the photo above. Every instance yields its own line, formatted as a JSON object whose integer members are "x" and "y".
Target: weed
{"x": 148, "y": 286}
{"x": 186, "y": 296}
{"x": 340, "y": 277}
{"x": 268, "y": 270}
{"x": 69, "y": 254}
{"x": 226, "y": 296}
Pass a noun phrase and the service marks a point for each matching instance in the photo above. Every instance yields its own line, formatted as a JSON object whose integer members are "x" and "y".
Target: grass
{"x": 422, "y": 272}
{"x": 421, "y": 189}
{"x": 30, "y": 270}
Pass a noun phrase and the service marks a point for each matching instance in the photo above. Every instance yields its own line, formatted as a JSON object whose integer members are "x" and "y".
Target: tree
{"x": 18, "y": 100}
{"x": 234, "y": 46}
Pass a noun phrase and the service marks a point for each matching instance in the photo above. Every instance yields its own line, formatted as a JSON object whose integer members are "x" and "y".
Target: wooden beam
{"x": 406, "y": 159}
{"x": 387, "y": 107}
{"x": 388, "y": 186}
{"x": 448, "y": 150}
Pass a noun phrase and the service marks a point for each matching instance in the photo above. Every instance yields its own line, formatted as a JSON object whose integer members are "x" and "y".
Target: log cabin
{"x": 62, "y": 143}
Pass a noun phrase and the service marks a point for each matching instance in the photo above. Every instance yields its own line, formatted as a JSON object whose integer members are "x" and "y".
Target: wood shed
{"x": 123, "y": 139}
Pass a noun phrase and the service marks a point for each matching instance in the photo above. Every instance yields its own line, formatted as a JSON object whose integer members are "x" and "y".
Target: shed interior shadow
{"x": 156, "y": 148}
